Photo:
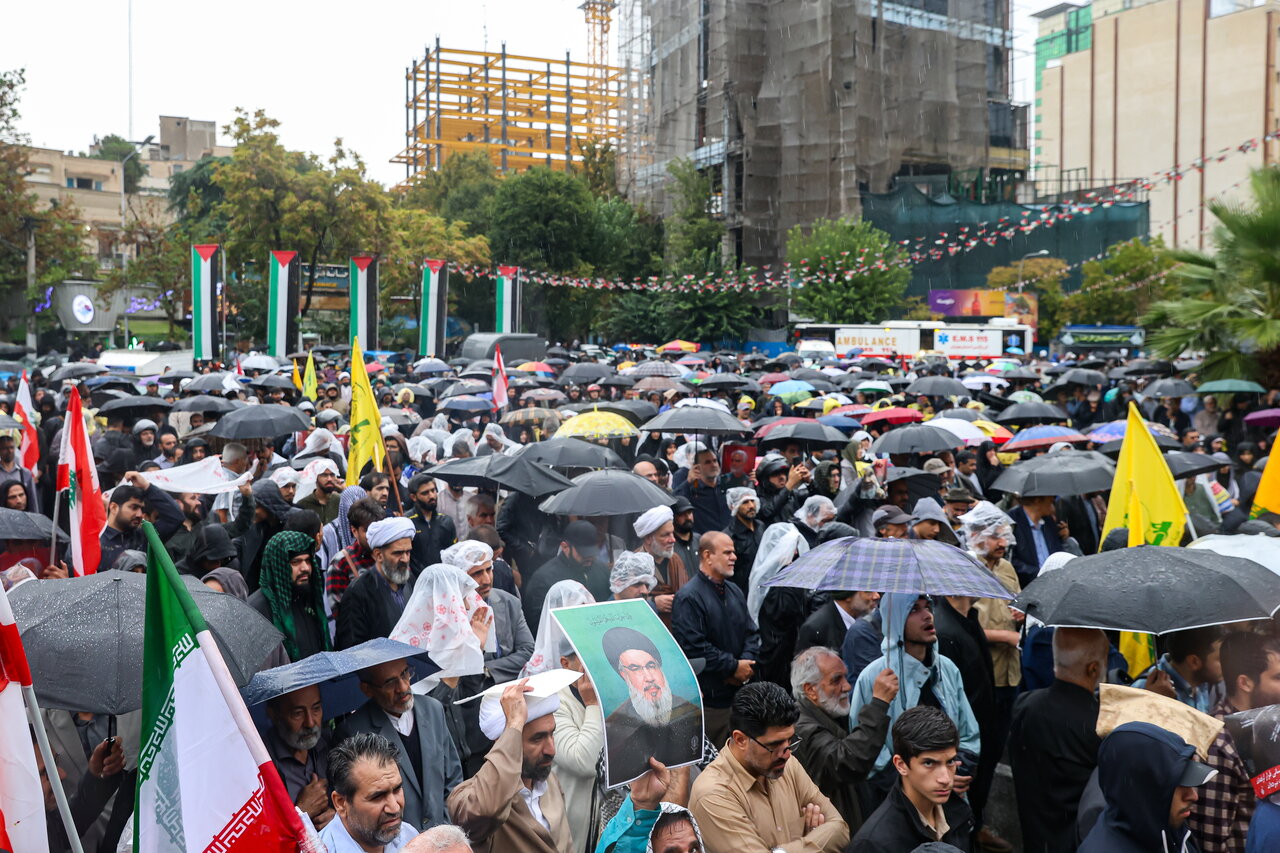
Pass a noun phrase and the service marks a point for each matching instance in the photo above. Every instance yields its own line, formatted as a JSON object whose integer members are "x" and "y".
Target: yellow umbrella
{"x": 597, "y": 424}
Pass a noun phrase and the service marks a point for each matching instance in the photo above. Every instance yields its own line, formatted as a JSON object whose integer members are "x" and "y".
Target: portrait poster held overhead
{"x": 648, "y": 693}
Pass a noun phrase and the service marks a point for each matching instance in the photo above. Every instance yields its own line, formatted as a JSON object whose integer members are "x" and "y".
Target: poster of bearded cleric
{"x": 648, "y": 693}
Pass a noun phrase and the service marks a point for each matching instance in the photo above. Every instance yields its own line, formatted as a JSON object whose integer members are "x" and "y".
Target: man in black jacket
{"x": 576, "y": 561}
{"x": 745, "y": 531}
{"x": 435, "y": 532}
{"x": 710, "y": 620}
{"x": 828, "y": 625}
{"x": 707, "y": 494}
{"x": 372, "y": 605}
{"x": 922, "y": 807}
{"x": 1053, "y": 741}
{"x": 781, "y": 489}
{"x": 125, "y": 514}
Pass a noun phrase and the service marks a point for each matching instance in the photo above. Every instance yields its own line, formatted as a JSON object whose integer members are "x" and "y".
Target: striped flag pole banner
{"x": 205, "y": 778}
{"x": 499, "y": 380}
{"x": 505, "y": 303}
{"x": 282, "y": 310}
{"x": 432, "y": 313}
{"x": 364, "y": 299}
{"x": 204, "y": 301}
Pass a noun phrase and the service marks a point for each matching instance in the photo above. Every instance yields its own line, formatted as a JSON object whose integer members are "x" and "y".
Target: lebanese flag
{"x": 24, "y": 409}
{"x": 499, "y": 380}
{"x": 21, "y": 801}
{"x": 205, "y": 780}
{"x": 78, "y": 477}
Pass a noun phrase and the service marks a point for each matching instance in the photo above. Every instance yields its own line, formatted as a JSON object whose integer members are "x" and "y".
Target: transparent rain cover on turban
{"x": 631, "y": 568}
{"x": 467, "y": 554}
{"x": 551, "y": 641}
{"x": 984, "y": 522}
{"x": 437, "y": 619}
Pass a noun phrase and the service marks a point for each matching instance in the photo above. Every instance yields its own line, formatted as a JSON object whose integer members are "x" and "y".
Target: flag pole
{"x": 51, "y": 768}
{"x": 53, "y": 542}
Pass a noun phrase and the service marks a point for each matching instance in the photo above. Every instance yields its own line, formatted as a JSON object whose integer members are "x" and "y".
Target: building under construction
{"x": 797, "y": 107}
{"x": 523, "y": 110}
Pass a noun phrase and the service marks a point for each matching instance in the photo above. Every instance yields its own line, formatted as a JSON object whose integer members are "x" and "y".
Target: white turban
{"x": 466, "y": 555}
{"x": 285, "y": 475}
{"x": 382, "y": 533}
{"x": 736, "y": 496}
{"x": 493, "y": 720}
{"x": 307, "y": 480}
{"x": 652, "y": 519}
{"x": 631, "y": 568}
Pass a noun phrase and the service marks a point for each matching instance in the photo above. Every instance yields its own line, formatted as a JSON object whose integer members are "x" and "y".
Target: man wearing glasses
{"x": 652, "y": 722}
{"x": 753, "y": 793}
{"x": 427, "y": 756}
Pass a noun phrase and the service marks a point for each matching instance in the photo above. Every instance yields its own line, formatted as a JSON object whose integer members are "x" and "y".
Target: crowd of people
{"x": 846, "y": 720}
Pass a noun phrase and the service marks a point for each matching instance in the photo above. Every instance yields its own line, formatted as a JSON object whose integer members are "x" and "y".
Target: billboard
{"x": 877, "y": 340}
{"x": 1022, "y": 307}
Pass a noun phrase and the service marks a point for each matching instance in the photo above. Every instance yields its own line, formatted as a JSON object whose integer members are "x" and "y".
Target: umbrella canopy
{"x": 657, "y": 368}
{"x": 964, "y": 431}
{"x": 656, "y": 383}
{"x": 419, "y": 392}
{"x": 915, "y": 438}
{"x": 920, "y": 566}
{"x": 1164, "y": 442}
{"x": 617, "y": 382}
{"x": 891, "y": 415}
{"x": 586, "y": 372}
{"x": 995, "y": 432}
{"x": 135, "y": 405}
{"x": 774, "y": 378}
{"x": 730, "y": 381}
{"x": 7, "y": 422}
{"x": 1170, "y": 388}
{"x": 336, "y": 673}
{"x": 1152, "y": 589}
{"x": 465, "y": 403}
{"x": 534, "y": 416}
{"x": 873, "y": 386}
{"x": 536, "y": 366}
{"x": 938, "y": 386}
{"x": 1022, "y": 414}
{"x": 208, "y": 404}
{"x": 544, "y": 395}
{"x": 461, "y": 387}
{"x": 1067, "y": 472}
{"x": 791, "y": 386}
{"x": 1025, "y": 396}
{"x": 1262, "y": 549}
{"x": 959, "y": 415}
{"x": 806, "y": 432}
{"x": 572, "y": 453}
{"x": 400, "y": 417}
{"x": 83, "y": 637}
{"x": 496, "y": 470}
{"x": 259, "y": 362}
{"x": 1265, "y": 418}
{"x": 31, "y": 526}
{"x": 431, "y": 365}
{"x": 260, "y": 422}
{"x": 607, "y": 492}
{"x": 703, "y": 420}
{"x": 679, "y": 346}
{"x": 1183, "y": 465}
{"x": 75, "y": 370}
{"x": 1023, "y": 374}
{"x": 840, "y": 422}
{"x": 1231, "y": 386}
{"x": 979, "y": 381}
{"x": 597, "y": 424}
{"x": 1080, "y": 376}
{"x": 1113, "y": 430}
{"x": 636, "y": 411}
{"x": 1036, "y": 437}
{"x": 209, "y": 382}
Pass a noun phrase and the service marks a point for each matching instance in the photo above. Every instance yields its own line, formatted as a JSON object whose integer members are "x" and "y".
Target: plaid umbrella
{"x": 919, "y": 566}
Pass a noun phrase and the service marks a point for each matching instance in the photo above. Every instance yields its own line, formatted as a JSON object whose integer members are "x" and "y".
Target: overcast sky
{"x": 324, "y": 69}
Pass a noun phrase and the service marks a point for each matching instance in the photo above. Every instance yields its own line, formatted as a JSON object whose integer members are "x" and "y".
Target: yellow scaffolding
{"x": 523, "y": 110}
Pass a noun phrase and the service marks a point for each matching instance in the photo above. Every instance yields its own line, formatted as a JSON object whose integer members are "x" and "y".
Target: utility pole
{"x": 29, "y": 225}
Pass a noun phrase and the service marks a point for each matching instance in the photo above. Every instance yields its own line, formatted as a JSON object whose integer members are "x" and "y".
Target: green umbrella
{"x": 1231, "y": 386}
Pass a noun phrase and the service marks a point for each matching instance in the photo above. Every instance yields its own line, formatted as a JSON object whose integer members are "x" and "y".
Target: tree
{"x": 116, "y": 148}
{"x": 858, "y": 270}
{"x": 461, "y": 190}
{"x": 1043, "y": 277}
{"x": 162, "y": 260}
{"x": 1124, "y": 284}
{"x": 693, "y": 236}
{"x": 1227, "y": 304}
{"x": 600, "y": 168}
{"x": 196, "y": 197}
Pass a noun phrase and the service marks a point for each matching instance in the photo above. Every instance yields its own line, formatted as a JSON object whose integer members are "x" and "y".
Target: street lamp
{"x": 1040, "y": 254}
{"x": 134, "y": 153}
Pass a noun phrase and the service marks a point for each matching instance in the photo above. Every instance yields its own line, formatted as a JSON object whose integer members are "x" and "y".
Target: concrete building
{"x": 797, "y": 107}
{"x": 1127, "y": 89}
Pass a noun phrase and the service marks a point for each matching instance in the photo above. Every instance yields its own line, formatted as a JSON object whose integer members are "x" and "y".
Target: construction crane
{"x": 599, "y": 15}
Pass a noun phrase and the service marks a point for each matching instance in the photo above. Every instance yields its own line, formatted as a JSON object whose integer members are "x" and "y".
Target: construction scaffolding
{"x": 523, "y": 110}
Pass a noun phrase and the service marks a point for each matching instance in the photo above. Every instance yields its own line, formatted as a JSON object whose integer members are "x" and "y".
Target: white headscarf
{"x": 467, "y": 554}
{"x": 779, "y": 545}
{"x": 437, "y": 618}
{"x": 551, "y": 642}
{"x": 285, "y": 475}
{"x": 321, "y": 441}
{"x": 307, "y": 479}
{"x": 495, "y": 431}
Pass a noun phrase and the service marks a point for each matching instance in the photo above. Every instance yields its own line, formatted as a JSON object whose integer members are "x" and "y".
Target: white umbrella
{"x": 979, "y": 381}
{"x": 963, "y": 430}
{"x": 833, "y": 371}
{"x": 705, "y": 402}
{"x": 873, "y": 385}
{"x": 1259, "y": 547}
{"x": 260, "y": 362}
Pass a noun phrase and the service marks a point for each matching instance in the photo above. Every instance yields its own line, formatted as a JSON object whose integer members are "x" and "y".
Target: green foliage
{"x": 462, "y": 190}
{"x": 599, "y": 168}
{"x": 693, "y": 236}
{"x": 1227, "y": 305}
{"x": 161, "y": 259}
{"x": 115, "y": 148}
{"x": 1043, "y": 277}
{"x": 628, "y": 241}
{"x": 839, "y": 249}
{"x": 1124, "y": 284}
{"x": 544, "y": 220}
{"x": 196, "y": 197}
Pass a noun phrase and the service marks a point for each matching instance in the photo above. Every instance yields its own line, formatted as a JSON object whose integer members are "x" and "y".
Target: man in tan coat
{"x": 515, "y": 804}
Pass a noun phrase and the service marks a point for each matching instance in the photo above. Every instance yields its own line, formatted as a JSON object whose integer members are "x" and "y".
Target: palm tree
{"x": 1229, "y": 308}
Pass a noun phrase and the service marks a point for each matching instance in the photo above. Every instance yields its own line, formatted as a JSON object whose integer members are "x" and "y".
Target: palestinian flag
{"x": 205, "y": 780}
{"x": 204, "y": 301}
{"x": 78, "y": 477}
{"x": 432, "y": 310}
{"x": 282, "y": 303}
{"x": 364, "y": 300}
{"x": 505, "y": 320}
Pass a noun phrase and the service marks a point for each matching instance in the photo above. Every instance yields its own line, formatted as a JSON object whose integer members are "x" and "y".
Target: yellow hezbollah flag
{"x": 1145, "y": 499}
{"x": 310, "y": 388}
{"x": 297, "y": 379}
{"x": 364, "y": 442}
{"x": 1267, "y": 498}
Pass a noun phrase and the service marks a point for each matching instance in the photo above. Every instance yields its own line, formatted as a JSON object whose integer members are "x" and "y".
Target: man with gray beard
{"x": 653, "y": 722}
{"x": 299, "y": 747}
{"x": 372, "y": 605}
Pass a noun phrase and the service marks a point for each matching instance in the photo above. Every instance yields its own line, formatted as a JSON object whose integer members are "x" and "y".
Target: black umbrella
{"x": 586, "y": 372}
{"x": 461, "y": 387}
{"x": 1170, "y": 388}
{"x": 1023, "y": 374}
{"x": 617, "y": 382}
{"x": 915, "y": 438}
{"x": 274, "y": 380}
{"x": 608, "y": 492}
{"x": 134, "y": 405}
{"x": 1152, "y": 589}
{"x": 938, "y": 386}
{"x": 920, "y": 484}
{"x": 730, "y": 381}
{"x": 207, "y": 382}
{"x": 260, "y": 422}
{"x": 1080, "y": 376}
{"x": 572, "y": 453}
{"x": 83, "y": 637}
{"x": 31, "y": 526}
{"x": 207, "y": 403}
{"x": 810, "y": 433}
{"x": 1164, "y": 442}
{"x": 700, "y": 420}
{"x": 1066, "y": 472}
{"x": 465, "y": 403}
{"x": 517, "y": 473}
{"x": 636, "y": 411}
{"x": 75, "y": 370}
{"x": 1022, "y": 414}
{"x": 1183, "y": 464}
{"x": 175, "y": 377}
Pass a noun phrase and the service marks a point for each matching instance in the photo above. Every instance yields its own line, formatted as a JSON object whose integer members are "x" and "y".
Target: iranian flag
{"x": 21, "y": 802}
{"x": 205, "y": 780}
{"x": 78, "y": 477}
{"x": 24, "y": 409}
